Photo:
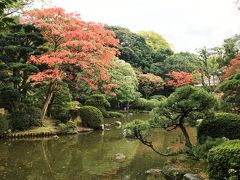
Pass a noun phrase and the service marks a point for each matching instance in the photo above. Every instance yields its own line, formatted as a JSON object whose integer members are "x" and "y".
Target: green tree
{"x": 204, "y": 65}
{"x": 231, "y": 92}
{"x": 186, "y": 104}
{"x": 133, "y": 48}
{"x": 183, "y": 61}
{"x": 231, "y": 49}
{"x": 124, "y": 76}
{"x": 16, "y": 46}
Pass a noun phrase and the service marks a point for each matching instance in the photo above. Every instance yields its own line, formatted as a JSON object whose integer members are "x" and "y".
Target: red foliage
{"x": 232, "y": 68}
{"x": 180, "y": 79}
{"x": 85, "y": 47}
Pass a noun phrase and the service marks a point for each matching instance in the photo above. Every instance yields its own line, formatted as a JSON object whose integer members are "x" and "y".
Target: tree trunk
{"x": 188, "y": 144}
{"x": 209, "y": 81}
{"x": 127, "y": 106}
{"x": 202, "y": 79}
{"x": 52, "y": 88}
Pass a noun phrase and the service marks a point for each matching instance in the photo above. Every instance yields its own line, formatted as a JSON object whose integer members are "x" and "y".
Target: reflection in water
{"x": 85, "y": 156}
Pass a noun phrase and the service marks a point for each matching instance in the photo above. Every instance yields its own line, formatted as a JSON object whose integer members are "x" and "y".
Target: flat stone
{"x": 154, "y": 171}
{"x": 190, "y": 176}
{"x": 120, "y": 156}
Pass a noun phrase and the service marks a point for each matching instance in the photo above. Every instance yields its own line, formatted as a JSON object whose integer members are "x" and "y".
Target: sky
{"x": 186, "y": 24}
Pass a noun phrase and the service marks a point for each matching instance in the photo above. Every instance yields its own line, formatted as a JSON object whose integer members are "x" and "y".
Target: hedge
{"x": 223, "y": 125}
{"x": 224, "y": 161}
{"x": 91, "y": 117}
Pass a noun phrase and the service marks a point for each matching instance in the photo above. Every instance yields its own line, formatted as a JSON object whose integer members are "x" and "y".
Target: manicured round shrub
{"x": 91, "y": 117}
{"x": 223, "y": 125}
{"x": 224, "y": 161}
{"x": 4, "y": 124}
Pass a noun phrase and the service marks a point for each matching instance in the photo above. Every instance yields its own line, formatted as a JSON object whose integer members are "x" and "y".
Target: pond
{"x": 86, "y": 156}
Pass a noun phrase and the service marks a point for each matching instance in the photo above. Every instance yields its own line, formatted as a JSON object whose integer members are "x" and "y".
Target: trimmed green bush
{"x": 224, "y": 161}
{"x": 91, "y": 117}
{"x": 4, "y": 124}
{"x": 223, "y": 125}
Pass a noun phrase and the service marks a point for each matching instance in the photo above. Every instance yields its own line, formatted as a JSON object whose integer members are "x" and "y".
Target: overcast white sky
{"x": 186, "y": 24}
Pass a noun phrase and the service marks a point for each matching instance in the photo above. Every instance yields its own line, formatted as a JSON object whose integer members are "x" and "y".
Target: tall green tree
{"x": 124, "y": 76}
{"x": 231, "y": 92}
{"x": 133, "y": 48}
{"x": 155, "y": 40}
{"x": 16, "y": 47}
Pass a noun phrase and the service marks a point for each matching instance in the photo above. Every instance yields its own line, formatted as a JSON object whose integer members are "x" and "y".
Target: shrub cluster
{"x": 91, "y": 117}
{"x": 4, "y": 124}
{"x": 200, "y": 150}
{"x": 23, "y": 120}
{"x": 224, "y": 161}
{"x": 70, "y": 125}
{"x": 223, "y": 125}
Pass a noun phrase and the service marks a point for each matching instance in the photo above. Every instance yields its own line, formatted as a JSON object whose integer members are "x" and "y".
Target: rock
{"x": 154, "y": 172}
{"x": 107, "y": 125}
{"x": 2, "y": 168}
{"x": 56, "y": 137}
{"x": 120, "y": 156}
{"x": 172, "y": 172}
{"x": 118, "y": 123}
{"x": 190, "y": 176}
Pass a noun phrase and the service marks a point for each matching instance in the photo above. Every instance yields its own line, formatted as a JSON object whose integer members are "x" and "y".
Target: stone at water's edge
{"x": 190, "y": 176}
{"x": 56, "y": 137}
{"x": 120, "y": 156}
{"x": 172, "y": 172}
{"x": 118, "y": 123}
{"x": 154, "y": 172}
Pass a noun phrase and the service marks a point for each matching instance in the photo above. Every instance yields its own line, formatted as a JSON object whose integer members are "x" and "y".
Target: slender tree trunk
{"x": 209, "y": 80}
{"x": 202, "y": 79}
{"x": 52, "y": 88}
{"x": 127, "y": 106}
{"x": 214, "y": 83}
{"x": 188, "y": 143}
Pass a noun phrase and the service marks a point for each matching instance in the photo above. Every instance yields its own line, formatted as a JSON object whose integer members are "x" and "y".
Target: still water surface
{"x": 88, "y": 156}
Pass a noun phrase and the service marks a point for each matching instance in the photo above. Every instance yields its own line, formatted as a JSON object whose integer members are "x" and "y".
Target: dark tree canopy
{"x": 231, "y": 92}
{"x": 186, "y": 104}
{"x": 16, "y": 46}
{"x": 133, "y": 48}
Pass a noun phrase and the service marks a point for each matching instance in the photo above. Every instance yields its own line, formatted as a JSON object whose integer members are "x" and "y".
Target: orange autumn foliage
{"x": 178, "y": 79}
{"x": 232, "y": 68}
{"x": 85, "y": 49}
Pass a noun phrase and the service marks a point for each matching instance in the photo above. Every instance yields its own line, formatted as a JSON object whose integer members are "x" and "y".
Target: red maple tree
{"x": 78, "y": 50}
{"x": 178, "y": 79}
{"x": 232, "y": 68}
